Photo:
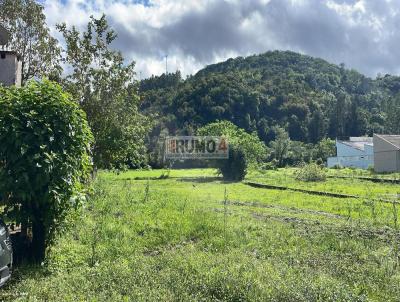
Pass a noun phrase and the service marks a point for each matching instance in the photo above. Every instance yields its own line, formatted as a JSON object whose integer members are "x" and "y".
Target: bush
{"x": 253, "y": 148}
{"x": 271, "y": 165}
{"x": 44, "y": 158}
{"x": 244, "y": 149}
{"x": 235, "y": 167}
{"x": 311, "y": 172}
{"x": 324, "y": 149}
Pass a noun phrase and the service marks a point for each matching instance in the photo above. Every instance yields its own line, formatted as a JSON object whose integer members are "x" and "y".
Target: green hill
{"x": 308, "y": 96}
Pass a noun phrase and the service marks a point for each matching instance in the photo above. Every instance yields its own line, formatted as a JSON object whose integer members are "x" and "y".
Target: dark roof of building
{"x": 10, "y": 52}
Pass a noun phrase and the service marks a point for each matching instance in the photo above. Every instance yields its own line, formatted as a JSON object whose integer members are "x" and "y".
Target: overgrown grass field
{"x": 188, "y": 236}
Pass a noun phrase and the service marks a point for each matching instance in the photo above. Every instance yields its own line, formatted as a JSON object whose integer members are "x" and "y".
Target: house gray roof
{"x": 392, "y": 139}
{"x": 360, "y": 145}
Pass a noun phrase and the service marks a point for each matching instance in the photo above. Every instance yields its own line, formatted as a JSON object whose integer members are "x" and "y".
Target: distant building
{"x": 357, "y": 152}
{"x": 386, "y": 153}
{"x": 10, "y": 68}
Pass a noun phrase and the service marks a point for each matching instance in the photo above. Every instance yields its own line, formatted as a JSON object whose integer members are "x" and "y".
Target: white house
{"x": 357, "y": 152}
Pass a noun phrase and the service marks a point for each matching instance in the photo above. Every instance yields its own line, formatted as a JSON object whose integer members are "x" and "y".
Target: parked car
{"x": 6, "y": 254}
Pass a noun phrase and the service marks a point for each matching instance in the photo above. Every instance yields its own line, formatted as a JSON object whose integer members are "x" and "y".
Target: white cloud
{"x": 364, "y": 34}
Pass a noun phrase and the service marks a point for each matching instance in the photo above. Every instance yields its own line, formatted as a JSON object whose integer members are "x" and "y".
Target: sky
{"x": 362, "y": 34}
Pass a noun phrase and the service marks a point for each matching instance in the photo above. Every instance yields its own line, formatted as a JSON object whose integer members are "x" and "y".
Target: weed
{"x": 396, "y": 241}
{"x": 146, "y": 192}
{"x": 269, "y": 245}
{"x": 225, "y": 216}
{"x": 311, "y": 172}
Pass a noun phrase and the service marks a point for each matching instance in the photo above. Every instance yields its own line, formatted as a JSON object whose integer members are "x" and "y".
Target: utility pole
{"x": 166, "y": 64}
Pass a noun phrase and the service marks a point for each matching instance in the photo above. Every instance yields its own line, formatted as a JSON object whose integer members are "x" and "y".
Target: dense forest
{"x": 308, "y": 97}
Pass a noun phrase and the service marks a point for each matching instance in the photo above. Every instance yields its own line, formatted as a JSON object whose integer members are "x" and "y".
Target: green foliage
{"x": 235, "y": 167}
{"x": 253, "y": 148}
{"x": 285, "y": 151}
{"x": 280, "y": 146}
{"x": 181, "y": 239}
{"x": 271, "y": 165}
{"x": 308, "y": 97}
{"x": 393, "y": 113}
{"x": 311, "y": 172}
{"x": 158, "y": 90}
{"x": 30, "y": 37}
{"x": 324, "y": 149}
{"x": 105, "y": 88}
{"x": 244, "y": 149}
{"x": 44, "y": 158}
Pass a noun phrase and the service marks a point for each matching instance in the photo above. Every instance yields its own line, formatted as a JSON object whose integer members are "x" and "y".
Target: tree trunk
{"x": 38, "y": 246}
{"x": 24, "y": 228}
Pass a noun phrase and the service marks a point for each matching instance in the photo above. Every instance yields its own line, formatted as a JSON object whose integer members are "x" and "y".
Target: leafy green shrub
{"x": 311, "y": 172}
{"x": 235, "y": 167}
{"x": 165, "y": 174}
{"x": 280, "y": 147}
{"x": 271, "y": 165}
{"x": 324, "y": 149}
{"x": 244, "y": 149}
{"x": 44, "y": 158}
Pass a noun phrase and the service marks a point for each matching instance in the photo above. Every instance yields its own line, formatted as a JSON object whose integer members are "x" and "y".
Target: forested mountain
{"x": 309, "y": 97}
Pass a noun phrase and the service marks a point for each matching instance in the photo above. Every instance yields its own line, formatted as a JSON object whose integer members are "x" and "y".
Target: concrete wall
{"x": 386, "y": 156}
{"x": 361, "y": 162}
{"x": 388, "y": 161}
{"x": 348, "y": 156}
{"x": 10, "y": 69}
{"x": 369, "y": 150}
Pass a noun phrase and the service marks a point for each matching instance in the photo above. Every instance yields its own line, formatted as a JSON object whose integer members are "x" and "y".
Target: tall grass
{"x": 173, "y": 240}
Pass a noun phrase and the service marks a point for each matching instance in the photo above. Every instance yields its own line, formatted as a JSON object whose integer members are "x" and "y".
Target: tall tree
{"x": 244, "y": 149}
{"x": 105, "y": 87}
{"x": 393, "y": 114}
{"x": 317, "y": 126}
{"x": 309, "y": 97}
{"x": 280, "y": 146}
{"x": 30, "y": 37}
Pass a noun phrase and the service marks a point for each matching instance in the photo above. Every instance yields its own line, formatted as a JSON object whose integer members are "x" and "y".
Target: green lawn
{"x": 350, "y": 185}
{"x": 193, "y": 237}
